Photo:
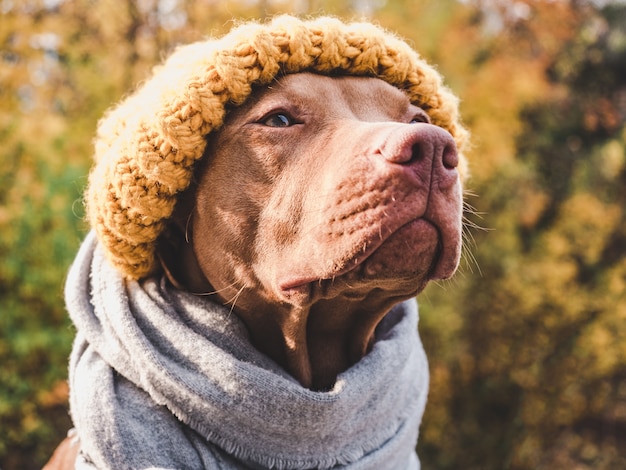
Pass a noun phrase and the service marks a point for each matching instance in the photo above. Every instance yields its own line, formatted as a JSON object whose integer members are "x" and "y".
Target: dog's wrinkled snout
{"x": 430, "y": 149}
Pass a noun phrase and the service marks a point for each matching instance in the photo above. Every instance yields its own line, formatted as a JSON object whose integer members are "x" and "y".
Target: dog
{"x": 280, "y": 284}
{"x": 353, "y": 201}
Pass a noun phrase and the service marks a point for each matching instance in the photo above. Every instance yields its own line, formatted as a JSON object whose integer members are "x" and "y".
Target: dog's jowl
{"x": 264, "y": 211}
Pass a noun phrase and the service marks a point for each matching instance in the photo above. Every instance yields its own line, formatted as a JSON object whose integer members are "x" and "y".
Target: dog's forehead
{"x": 358, "y": 95}
{"x": 352, "y": 90}
{"x": 312, "y": 83}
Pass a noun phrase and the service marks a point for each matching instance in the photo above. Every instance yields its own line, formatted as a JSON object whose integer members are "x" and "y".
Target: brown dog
{"x": 320, "y": 204}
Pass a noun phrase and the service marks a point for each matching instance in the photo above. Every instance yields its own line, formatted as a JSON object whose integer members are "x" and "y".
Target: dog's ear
{"x": 175, "y": 250}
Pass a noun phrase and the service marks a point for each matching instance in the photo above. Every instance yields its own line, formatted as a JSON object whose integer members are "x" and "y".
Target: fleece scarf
{"x": 164, "y": 379}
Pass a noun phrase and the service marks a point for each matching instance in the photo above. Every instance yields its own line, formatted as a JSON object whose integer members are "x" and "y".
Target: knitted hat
{"x": 146, "y": 146}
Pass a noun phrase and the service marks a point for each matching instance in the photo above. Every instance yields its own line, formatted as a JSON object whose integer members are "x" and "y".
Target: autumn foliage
{"x": 527, "y": 344}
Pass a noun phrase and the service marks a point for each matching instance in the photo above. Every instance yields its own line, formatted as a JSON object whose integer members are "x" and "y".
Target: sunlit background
{"x": 527, "y": 345}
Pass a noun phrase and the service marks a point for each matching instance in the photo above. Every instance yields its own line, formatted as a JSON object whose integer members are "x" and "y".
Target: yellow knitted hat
{"x": 146, "y": 146}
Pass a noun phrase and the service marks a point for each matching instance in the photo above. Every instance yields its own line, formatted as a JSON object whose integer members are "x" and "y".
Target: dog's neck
{"x": 317, "y": 342}
{"x": 314, "y": 342}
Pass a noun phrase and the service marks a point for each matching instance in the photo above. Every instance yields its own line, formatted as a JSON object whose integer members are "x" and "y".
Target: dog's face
{"x": 320, "y": 203}
{"x": 318, "y": 187}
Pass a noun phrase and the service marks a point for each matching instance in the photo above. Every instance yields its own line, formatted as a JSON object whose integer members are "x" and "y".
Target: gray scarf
{"x": 164, "y": 379}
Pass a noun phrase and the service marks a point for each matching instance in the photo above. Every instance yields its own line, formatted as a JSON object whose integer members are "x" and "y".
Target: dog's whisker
{"x": 467, "y": 234}
{"x": 217, "y": 291}
{"x": 472, "y": 261}
{"x": 469, "y": 240}
{"x": 469, "y": 193}
{"x": 187, "y": 224}
{"x": 471, "y": 223}
{"x": 439, "y": 284}
{"x": 233, "y": 301}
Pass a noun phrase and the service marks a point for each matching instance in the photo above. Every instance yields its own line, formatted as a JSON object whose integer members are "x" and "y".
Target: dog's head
{"x": 318, "y": 187}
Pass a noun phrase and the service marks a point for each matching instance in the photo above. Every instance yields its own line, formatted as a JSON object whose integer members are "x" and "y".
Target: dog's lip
{"x": 440, "y": 269}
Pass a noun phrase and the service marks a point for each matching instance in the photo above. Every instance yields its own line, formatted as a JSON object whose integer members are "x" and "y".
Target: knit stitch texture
{"x": 147, "y": 146}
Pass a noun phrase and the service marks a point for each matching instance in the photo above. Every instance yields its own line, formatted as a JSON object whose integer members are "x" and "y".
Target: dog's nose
{"x": 426, "y": 147}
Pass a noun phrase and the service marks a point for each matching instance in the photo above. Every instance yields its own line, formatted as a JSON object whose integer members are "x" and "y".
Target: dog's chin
{"x": 409, "y": 254}
{"x": 401, "y": 266}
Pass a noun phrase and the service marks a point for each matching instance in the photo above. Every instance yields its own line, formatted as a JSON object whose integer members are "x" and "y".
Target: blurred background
{"x": 527, "y": 344}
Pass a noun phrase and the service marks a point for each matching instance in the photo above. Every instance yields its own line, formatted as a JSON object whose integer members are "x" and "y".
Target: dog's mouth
{"x": 417, "y": 252}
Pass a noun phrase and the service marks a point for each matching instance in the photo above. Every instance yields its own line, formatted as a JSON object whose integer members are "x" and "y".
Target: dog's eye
{"x": 278, "y": 120}
{"x": 420, "y": 118}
